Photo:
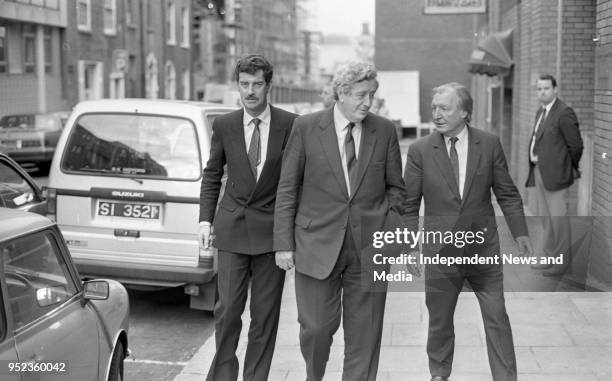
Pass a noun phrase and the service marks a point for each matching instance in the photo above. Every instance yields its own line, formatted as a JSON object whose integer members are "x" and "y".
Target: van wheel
{"x": 116, "y": 368}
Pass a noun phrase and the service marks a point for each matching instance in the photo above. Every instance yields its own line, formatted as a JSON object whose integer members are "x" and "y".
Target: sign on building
{"x": 454, "y": 6}
{"x": 120, "y": 61}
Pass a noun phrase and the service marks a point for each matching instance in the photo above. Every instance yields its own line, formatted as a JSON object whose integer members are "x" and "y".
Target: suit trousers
{"x": 234, "y": 273}
{"x": 442, "y": 287}
{"x": 321, "y": 305}
{"x": 552, "y": 207}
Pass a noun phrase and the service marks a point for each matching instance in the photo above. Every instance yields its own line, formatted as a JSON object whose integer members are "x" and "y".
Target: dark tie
{"x": 254, "y": 153}
{"x": 454, "y": 159}
{"x": 351, "y": 159}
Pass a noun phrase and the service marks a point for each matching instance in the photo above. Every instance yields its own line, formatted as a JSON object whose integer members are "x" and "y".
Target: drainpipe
{"x": 559, "y": 39}
{"x": 41, "y": 79}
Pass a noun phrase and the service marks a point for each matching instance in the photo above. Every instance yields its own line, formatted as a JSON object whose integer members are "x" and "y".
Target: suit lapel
{"x": 275, "y": 145}
{"x": 473, "y": 160}
{"x": 329, "y": 142}
{"x": 443, "y": 162}
{"x": 368, "y": 140}
{"x": 239, "y": 147}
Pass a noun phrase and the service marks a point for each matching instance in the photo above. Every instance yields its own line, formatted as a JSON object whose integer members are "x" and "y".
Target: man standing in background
{"x": 555, "y": 149}
{"x": 250, "y": 142}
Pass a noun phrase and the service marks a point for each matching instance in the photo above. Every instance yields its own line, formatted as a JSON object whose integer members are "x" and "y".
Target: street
{"x": 164, "y": 333}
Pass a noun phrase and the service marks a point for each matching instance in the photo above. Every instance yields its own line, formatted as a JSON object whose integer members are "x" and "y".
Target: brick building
{"x": 437, "y": 46}
{"x": 571, "y": 40}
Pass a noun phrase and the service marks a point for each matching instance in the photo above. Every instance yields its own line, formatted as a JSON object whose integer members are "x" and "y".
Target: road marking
{"x": 155, "y": 362}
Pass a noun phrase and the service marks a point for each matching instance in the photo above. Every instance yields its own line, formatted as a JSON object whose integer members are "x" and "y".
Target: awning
{"x": 493, "y": 55}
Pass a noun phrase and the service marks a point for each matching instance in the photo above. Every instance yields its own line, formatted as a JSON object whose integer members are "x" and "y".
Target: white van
{"x": 124, "y": 188}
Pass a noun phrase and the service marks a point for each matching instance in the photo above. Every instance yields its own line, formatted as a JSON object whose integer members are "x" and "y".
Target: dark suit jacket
{"x": 429, "y": 175}
{"x": 313, "y": 207}
{"x": 244, "y": 220}
{"x": 558, "y": 147}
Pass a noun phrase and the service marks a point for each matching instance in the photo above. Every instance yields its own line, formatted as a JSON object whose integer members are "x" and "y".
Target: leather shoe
{"x": 541, "y": 266}
{"x": 439, "y": 378}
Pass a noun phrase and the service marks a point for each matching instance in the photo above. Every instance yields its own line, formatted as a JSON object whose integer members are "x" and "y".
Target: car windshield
{"x": 133, "y": 146}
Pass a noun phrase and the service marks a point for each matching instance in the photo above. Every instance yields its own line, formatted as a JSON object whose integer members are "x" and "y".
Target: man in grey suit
{"x": 341, "y": 164}
{"x": 454, "y": 169}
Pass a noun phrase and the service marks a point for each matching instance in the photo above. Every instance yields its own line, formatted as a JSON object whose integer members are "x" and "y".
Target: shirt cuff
{"x": 204, "y": 223}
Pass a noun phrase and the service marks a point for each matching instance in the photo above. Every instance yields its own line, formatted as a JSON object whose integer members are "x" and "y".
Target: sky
{"x": 342, "y": 16}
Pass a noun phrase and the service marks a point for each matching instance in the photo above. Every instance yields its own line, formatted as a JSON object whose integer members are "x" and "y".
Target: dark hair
{"x": 548, "y": 77}
{"x": 466, "y": 103}
{"x": 251, "y": 64}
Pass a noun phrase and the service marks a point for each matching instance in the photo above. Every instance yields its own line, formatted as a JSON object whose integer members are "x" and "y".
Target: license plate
{"x": 11, "y": 143}
{"x": 132, "y": 210}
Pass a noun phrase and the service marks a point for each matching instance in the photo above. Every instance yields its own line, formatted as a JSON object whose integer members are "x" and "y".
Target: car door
{"x": 51, "y": 325}
{"x": 18, "y": 190}
{"x": 8, "y": 354}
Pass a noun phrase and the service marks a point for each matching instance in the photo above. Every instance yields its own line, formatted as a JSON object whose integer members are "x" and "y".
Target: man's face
{"x": 545, "y": 91}
{"x": 327, "y": 96}
{"x": 448, "y": 117}
{"x": 355, "y": 104}
{"x": 253, "y": 92}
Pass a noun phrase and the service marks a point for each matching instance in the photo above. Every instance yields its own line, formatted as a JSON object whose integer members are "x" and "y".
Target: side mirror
{"x": 48, "y": 296}
{"x": 96, "y": 290}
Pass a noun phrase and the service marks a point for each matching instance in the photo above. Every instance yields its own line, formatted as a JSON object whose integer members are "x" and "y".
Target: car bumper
{"x": 143, "y": 274}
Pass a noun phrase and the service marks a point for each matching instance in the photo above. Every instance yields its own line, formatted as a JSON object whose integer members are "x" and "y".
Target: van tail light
{"x": 51, "y": 202}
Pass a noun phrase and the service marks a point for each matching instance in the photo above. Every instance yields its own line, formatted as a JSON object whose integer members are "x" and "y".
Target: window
{"x": 185, "y": 27}
{"x": 29, "y": 48}
{"x": 124, "y": 144}
{"x": 110, "y": 17}
{"x": 3, "y": 50}
{"x": 170, "y": 88}
{"x": 171, "y": 22}
{"x": 48, "y": 44}
{"x": 84, "y": 15}
{"x": 37, "y": 277}
{"x": 186, "y": 85}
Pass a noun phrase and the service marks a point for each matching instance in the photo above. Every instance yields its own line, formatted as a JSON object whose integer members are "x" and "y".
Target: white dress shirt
{"x": 461, "y": 146}
{"x": 341, "y": 125}
{"x": 264, "y": 133}
{"x": 532, "y": 156}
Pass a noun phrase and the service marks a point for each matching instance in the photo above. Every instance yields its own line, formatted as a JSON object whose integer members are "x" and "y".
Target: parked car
{"x": 30, "y": 139}
{"x": 124, "y": 188}
{"x": 52, "y": 324}
{"x": 18, "y": 190}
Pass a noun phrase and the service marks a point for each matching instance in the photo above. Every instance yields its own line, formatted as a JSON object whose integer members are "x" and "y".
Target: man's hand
{"x": 525, "y": 248}
{"x": 417, "y": 268}
{"x": 204, "y": 235}
{"x": 284, "y": 260}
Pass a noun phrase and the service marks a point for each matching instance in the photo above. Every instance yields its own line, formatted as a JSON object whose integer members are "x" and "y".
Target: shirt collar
{"x": 462, "y": 136}
{"x": 549, "y": 106}
{"x": 340, "y": 121}
{"x": 264, "y": 116}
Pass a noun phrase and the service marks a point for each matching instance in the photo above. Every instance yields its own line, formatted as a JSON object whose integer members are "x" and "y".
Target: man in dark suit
{"x": 555, "y": 149}
{"x": 250, "y": 142}
{"x": 341, "y": 179}
{"x": 453, "y": 170}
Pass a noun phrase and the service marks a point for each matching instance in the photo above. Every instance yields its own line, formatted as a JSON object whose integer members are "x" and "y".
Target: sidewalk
{"x": 558, "y": 336}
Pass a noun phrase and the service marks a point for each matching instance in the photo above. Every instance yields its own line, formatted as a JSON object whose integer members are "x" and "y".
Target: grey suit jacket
{"x": 313, "y": 208}
{"x": 428, "y": 175}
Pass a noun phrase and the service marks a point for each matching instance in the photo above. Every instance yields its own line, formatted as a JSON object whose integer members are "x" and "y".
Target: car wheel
{"x": 116, "y": 368}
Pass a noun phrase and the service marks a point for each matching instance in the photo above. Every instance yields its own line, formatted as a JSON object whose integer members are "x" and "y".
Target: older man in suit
{"x": 454, "y": 170}
{"x": 250, "y": 142}
{"x": 341, "y": 179}
{"x": 555, "y": 149}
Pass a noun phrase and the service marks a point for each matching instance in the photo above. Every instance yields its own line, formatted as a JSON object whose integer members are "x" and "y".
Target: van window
{"x": 133, "y": 146}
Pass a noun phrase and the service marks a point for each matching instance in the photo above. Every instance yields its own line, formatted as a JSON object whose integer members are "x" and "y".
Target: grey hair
{"x": 466, "y": 103}
{"x": 351, "y": 73}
